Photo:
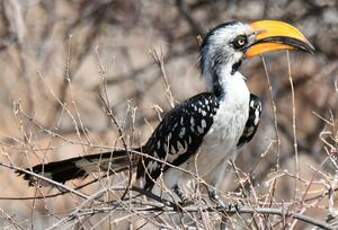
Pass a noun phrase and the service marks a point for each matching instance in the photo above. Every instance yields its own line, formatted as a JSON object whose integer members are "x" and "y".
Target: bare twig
{"x": 110, "y": 114}
{"x": 158, "y": 58}
{"x": 295, "y": 146}
{"x": 274, "y": 107}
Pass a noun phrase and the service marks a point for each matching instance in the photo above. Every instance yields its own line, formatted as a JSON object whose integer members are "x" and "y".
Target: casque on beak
{"x": 274, "y": 35}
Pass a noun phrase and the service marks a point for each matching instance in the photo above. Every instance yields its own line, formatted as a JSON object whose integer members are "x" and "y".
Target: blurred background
{"x": 57, "y": 57}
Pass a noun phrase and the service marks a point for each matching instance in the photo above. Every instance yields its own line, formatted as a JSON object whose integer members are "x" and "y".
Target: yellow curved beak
{"x": 274, "y": 35}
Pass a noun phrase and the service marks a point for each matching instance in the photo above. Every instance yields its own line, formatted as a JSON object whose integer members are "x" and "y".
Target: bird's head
{"x": 227, "y": 45}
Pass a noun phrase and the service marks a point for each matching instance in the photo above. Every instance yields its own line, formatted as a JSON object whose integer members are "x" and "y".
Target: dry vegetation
{"x": 58, "y": 57}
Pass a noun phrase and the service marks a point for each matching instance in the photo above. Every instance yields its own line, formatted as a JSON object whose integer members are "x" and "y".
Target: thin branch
{"x": 113, "y": 119}
{"x": 158, "y": 58}
{"x": 295, "y": 146}
{"x": 274, "y": 107}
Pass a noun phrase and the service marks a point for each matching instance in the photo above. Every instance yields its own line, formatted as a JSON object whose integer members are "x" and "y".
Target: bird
{"x": 200, "y": 135}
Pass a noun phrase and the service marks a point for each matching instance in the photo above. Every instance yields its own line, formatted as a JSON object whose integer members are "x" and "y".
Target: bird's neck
{"x": 221, "y": 77}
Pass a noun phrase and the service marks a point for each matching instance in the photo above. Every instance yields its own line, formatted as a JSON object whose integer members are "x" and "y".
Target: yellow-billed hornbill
{"x": 214, "y": 124}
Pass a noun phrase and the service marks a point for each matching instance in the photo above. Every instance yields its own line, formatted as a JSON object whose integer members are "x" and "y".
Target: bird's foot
{"x": 227, "y": 209}
{"x": 214, "y": 197}
{"x": 184, "y": 200}
{"x": 235, "y": 206}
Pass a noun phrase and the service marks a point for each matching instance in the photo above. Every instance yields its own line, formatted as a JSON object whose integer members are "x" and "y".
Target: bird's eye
{"x": 240, "y": 41}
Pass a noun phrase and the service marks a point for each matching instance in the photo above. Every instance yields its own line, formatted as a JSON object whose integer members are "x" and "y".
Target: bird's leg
{"x": 175, "y": 180}
{"x": 184, "y": 200}
{"x": 214, "y": 197}
{"x": 217, "y": 177}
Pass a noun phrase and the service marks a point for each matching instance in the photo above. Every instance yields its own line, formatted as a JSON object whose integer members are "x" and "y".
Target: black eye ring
{"x": 240, "y": 41}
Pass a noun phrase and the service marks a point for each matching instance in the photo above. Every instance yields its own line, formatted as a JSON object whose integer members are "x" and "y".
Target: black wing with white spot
{"x": 255, "y": 111}
{"x": 178, "y": 136}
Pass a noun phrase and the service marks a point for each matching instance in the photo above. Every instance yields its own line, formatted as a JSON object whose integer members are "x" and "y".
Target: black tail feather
{"x": 80, "y": 167}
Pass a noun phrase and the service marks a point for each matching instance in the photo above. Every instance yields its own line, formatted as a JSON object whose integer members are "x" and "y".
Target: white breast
{"x": 220, "y": 142}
